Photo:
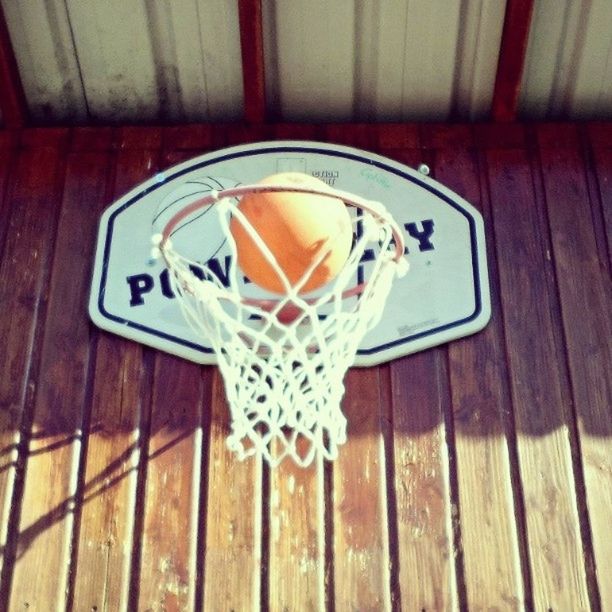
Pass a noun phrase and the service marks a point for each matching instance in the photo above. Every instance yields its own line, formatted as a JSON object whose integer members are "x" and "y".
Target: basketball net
{"x": 284, "y": 359}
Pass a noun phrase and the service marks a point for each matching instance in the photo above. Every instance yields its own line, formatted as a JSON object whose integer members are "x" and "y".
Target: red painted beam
{"x": 12, "y": 99}
{"x": 251, "y": 41}
{"x": 511, "y": 60}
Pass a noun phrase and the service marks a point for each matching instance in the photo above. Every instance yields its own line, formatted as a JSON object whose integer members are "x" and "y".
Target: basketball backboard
{"x": 444, "y": 296}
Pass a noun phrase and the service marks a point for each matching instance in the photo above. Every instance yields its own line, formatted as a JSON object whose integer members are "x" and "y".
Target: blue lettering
{"x": 424, "y": 235}
{"x": 139, "y": 285}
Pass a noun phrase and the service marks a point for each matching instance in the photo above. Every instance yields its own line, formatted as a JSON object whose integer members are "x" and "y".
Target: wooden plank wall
{"x": 477, "y": 475}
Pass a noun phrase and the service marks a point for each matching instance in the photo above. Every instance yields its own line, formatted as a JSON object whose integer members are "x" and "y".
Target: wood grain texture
{"x": 360, "y": 529}
{"x": 425, "y": 574}
{"x": 49, "y": 498}
{"x": 36, "y": 181}
{"x": 538, "y": 388}
{"x": 233, "y": 518}
{"x": 171, "y": 505}
{"x": 601, "y": 148}
{"x": 297, "y": 537}
{"x": 481, "y": 409}
{"x": 426, "y": 555}
{"x": 475, "y": 475}
{"x": 583, "y": 283}
{"x": 234, "y": 560}
{"x": 33, "y": 194}
{"x": 117, "y": 433}
{"x": 8, "y": 142}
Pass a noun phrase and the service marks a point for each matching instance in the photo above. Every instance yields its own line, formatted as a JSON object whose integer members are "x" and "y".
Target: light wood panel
{"x": 360, "y": 544}
{"x": 232, "y": 523}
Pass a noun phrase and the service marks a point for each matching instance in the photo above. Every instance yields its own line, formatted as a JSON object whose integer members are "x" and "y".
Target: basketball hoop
{"x": 283, "y": 358}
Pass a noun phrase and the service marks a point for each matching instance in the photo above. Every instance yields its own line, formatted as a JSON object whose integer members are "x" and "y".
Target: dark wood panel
{"x": 601, "y": 148}
{"x": 8, "y": 142}
{"x": 50, "y": 490}
{"x": 489, "y": 517}
{"x": 584, "y": 286}
{"x": 106, "y": 573}
{"x": 33, "y": 197}
{"x": 475, "y": 474}
{"x": 541, "y": 404}
{"x": 425, "y": 575}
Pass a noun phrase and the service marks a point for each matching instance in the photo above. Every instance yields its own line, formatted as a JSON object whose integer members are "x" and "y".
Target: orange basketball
{"x": 295, "y": 227}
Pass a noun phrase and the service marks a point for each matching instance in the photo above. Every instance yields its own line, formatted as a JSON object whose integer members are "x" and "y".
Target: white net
{"x": 283, "y": 359}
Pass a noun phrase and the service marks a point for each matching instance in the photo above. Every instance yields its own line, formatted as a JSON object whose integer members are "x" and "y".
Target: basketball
{"x": 297, "y": 228}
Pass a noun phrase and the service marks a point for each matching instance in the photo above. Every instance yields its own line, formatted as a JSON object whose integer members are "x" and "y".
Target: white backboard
{"x": 444, "y": 296}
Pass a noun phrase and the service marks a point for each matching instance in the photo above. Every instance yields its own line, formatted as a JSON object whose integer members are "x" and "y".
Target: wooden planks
{"x": 583, "y": 284}
{"x": 168, "y": 571}
{"x": 476, "y": 475}
{"x": 50, "y": 488}
{"x": 8, "y": 141}
{"x": 233, "y": 552}
{"x": 233, "y": 519}
{"x": 296, "y": 549}
{"x": 117, "y": 433}
{"x": 483, "y": 435}
{"x": 424, "y": 576}
{"x": 170, "y": 565}
{"x": 34, "y": 192}
{"x": 600, "y": 139}
{"x": 360, "y": 531}
{"x": 538, "y": 387}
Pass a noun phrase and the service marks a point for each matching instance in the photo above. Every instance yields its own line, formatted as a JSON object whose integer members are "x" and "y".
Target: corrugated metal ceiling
{"x": 159, "y": 60}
